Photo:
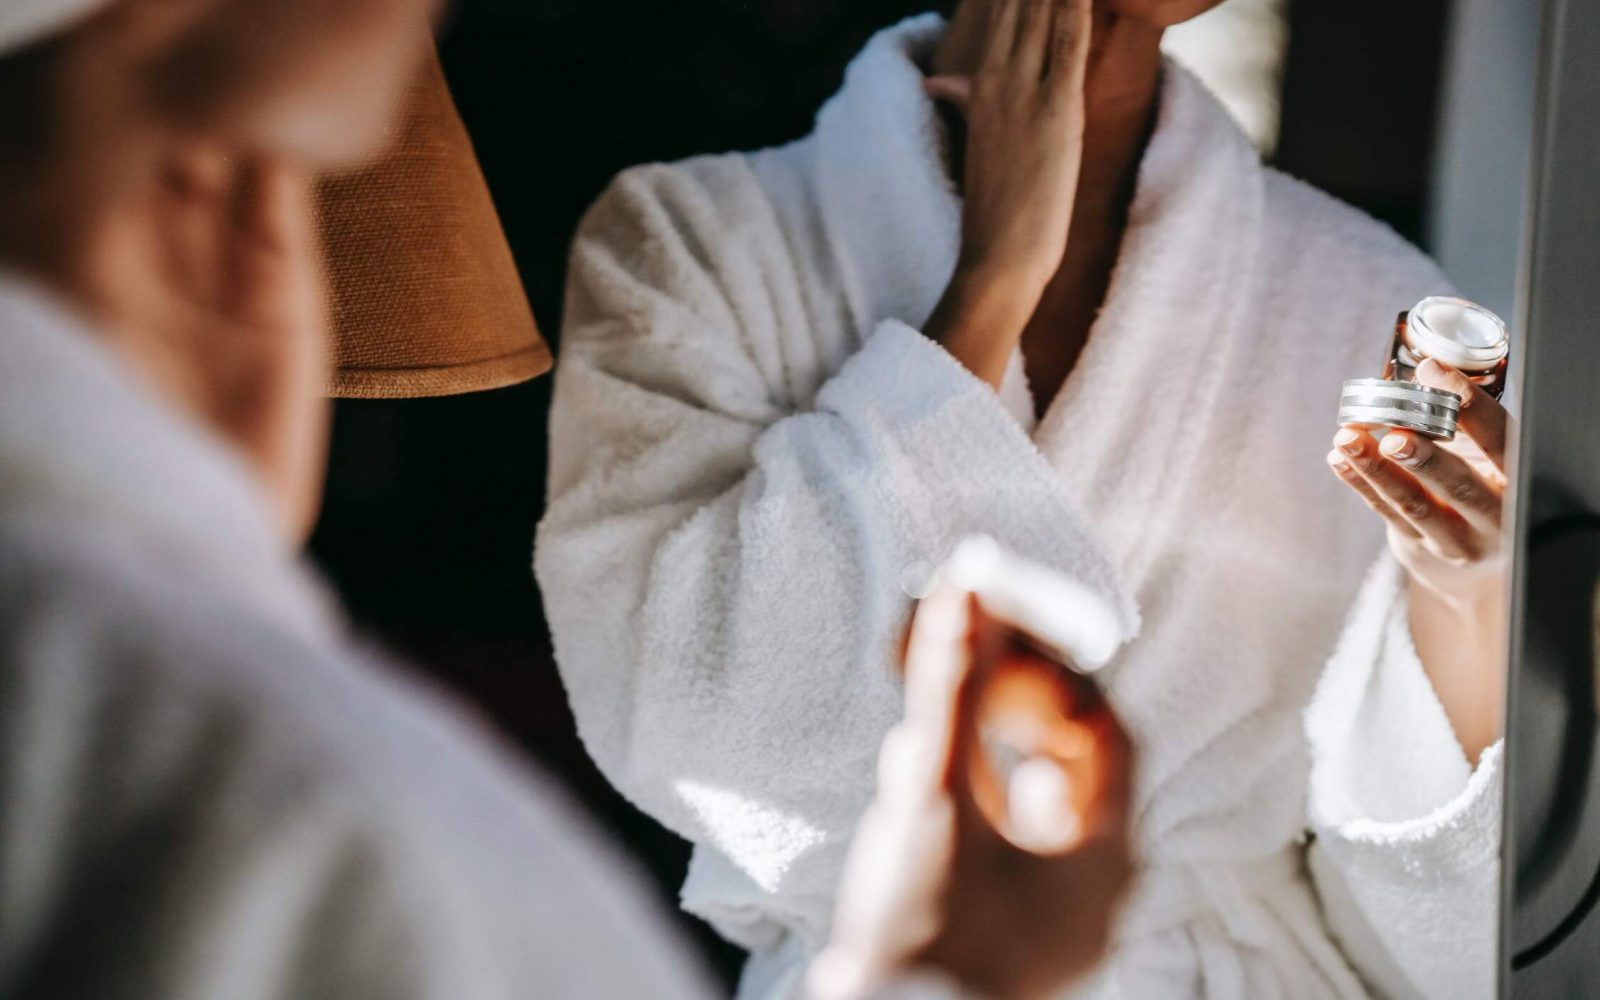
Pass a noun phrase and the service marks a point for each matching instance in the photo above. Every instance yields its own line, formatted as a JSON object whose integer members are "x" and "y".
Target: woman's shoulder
{"x": 1332, "y": 244}
{"x": 1345, "y": 274}
{"x": 696, "y": 204}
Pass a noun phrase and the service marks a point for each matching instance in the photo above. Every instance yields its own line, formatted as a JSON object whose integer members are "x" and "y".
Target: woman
{"x": 792, "y": 379}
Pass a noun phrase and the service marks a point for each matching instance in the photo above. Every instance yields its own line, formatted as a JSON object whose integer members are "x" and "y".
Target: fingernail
{"x": 1347, "y": 441}
{"x": 1337, "y": 463}
{"x": 1397, "y": 446}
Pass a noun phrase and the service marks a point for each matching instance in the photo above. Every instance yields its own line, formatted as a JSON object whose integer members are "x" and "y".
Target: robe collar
{"x": 1183, "y": 287}
{"x": 86, "y": 447}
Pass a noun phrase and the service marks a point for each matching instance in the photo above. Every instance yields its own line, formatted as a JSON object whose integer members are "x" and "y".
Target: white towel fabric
{"x": 1404, "y": 823}
{"x": 23, "y": 22}
{"x": 755, "y": 454}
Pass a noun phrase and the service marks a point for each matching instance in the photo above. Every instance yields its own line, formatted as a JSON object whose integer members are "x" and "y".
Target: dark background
{"x": 428, "y": 525}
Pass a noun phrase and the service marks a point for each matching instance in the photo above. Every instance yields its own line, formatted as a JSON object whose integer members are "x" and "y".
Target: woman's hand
{"x": 1006, "y": 883}
{"x": 1442, "y": 503}
{"x": 1441, "y": 500}
{"x": 1025, "y": 121}
{"x": 213, "y": 285}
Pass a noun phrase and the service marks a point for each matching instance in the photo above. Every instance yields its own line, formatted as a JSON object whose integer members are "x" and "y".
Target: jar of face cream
{"x": 1453, "y": 331}
{"x": 1461, "y": 334}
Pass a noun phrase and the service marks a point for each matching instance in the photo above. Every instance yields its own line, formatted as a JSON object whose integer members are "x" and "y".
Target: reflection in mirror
{"x": 1021, "y": 277}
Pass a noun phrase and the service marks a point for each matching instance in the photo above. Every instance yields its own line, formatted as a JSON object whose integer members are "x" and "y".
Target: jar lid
{"x": 1378, "y": 403}
{"x": 1458, "y": 333}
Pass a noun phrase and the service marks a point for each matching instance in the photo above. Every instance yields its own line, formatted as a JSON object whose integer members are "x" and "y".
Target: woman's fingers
{"x": 1482, "y": 417}
{"x": 1339, "y": 462}
{"x": 192, "y": 224}
{"x": 1032, "y": 50}
{"x": 272, "y": 208}
{"x": 1004, "y": 16}
{"x": 272, "y": 258}
{"x": 980, "y": 795}
{"x": 1446, "y": 476}
{"x": 1069, "y": 47}
{"x": 938, "y": 663}
{"x": 1448, "y": 532}
{"x": 1029, "y": 39}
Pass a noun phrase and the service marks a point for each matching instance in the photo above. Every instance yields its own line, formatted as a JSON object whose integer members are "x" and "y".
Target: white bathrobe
{"x": 757, "y": 455}
{"x": 206, "y": 791}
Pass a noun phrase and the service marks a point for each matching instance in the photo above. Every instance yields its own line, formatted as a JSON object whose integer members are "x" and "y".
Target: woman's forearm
{"x": 1443, "y": 504}
{"x": 980, "y": 320}
{"x": 1461, "y": 642}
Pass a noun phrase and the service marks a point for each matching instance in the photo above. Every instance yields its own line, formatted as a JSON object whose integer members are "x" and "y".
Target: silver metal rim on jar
{"x": 1402, "y": 390}
{"x": 1374, "y": 402}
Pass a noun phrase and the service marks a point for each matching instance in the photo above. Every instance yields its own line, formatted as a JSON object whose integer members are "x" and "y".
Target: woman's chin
{"x": 1160, "y": 13}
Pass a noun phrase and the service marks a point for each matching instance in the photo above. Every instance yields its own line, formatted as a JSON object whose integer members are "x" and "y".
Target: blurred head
{"x": 309, "y": 80}
{"x": 125, "y": 137}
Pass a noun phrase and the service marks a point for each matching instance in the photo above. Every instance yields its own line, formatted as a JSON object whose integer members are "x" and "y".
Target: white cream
{"x": 1459, "y": 333}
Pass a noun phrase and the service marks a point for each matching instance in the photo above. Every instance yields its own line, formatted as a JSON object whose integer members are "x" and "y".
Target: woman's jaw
{"x": 1157, "y": 13}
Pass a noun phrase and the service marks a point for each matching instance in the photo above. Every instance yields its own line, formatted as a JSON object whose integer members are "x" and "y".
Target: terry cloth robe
{"x": 205, "y": 791}
{"x": 756, "y": 456}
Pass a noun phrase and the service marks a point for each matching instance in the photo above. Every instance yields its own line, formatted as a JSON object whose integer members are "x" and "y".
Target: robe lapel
{"x": 890, "y": 209}
{"x": 1131, "y": 422}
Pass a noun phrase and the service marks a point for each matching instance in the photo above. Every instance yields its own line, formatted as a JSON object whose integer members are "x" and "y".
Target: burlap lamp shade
{"x": 426, "y": 297}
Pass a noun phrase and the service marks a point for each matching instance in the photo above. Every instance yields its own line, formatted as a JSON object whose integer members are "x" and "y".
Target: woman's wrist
{"x": 981, "y": 317}
{"x": 1459, "y": 636}
{"x": 1471, "y": 595}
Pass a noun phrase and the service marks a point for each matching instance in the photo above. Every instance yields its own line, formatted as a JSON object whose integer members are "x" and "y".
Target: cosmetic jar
{"x": 1453, "y": 331}
{"x": 1461, "y": 334}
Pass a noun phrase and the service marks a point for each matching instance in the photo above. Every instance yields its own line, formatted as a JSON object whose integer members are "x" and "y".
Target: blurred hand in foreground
{"x": 996, "y": 851}
{"x": 214, "y": 288}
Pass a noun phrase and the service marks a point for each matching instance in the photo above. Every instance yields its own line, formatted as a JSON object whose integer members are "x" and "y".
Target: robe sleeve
{"x": 1406, "y": 833}
{"x": 726, "y": 560}
{"x": 195, "y": 805}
